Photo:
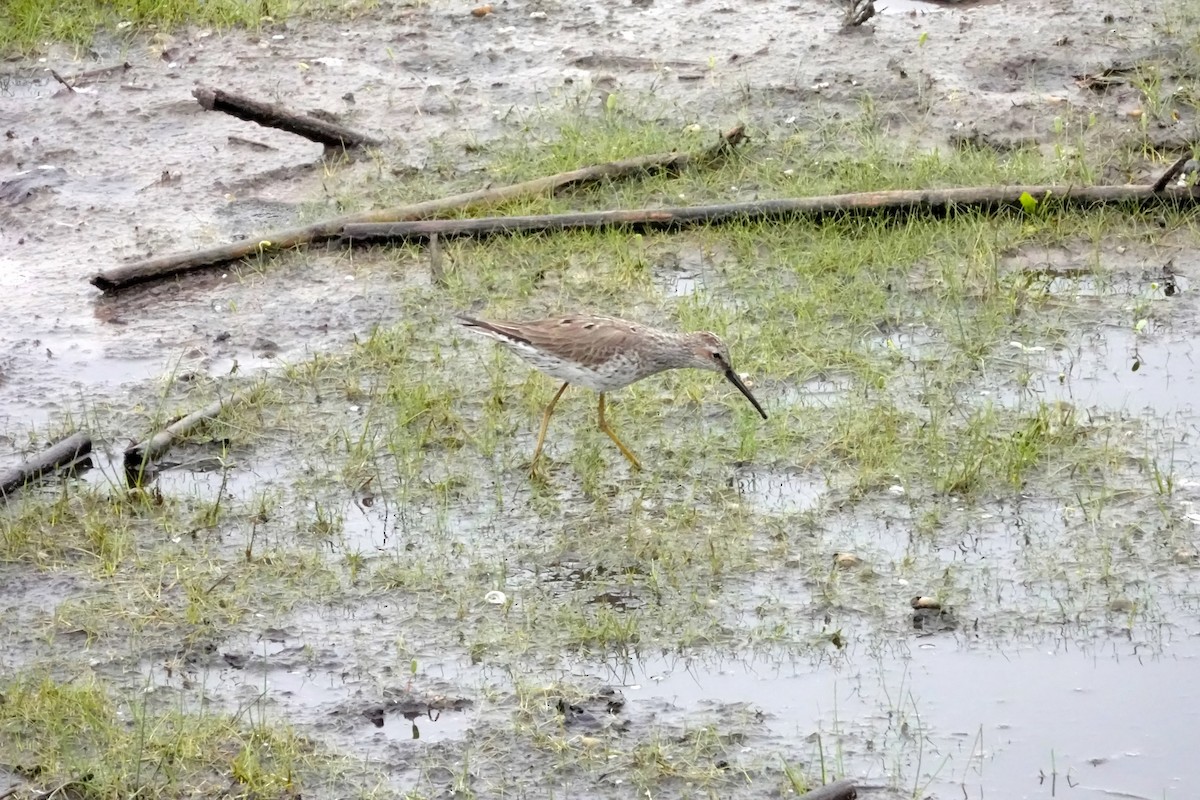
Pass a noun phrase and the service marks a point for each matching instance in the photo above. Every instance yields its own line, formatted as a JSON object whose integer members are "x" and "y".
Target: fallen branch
{"x": 838, "y": 790}
{"x": 81, "y": 78}
{"x": 1171, "y": 172}
{"x": 140, "y": 456}
{"x": 62, "y": 80}
{"x": 932, "y": 200}
{"x": 59, "y": 454}
{"x": 121, "y": 277}
{"x": 268, "y": 115}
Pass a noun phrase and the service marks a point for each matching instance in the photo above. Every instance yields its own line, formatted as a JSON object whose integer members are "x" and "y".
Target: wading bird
{"x": 605, "y": 354}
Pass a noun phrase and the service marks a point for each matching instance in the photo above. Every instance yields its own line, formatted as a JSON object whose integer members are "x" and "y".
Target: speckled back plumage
{"x": 600, "y": 353}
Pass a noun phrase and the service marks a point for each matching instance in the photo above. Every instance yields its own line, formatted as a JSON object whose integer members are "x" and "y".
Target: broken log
{"x": 118, "y": 278}
{"x": 140, "y": 456}
{"x": 271, "y": 115}
{"x": 60, "y": 454}
{"x": 838, "y": 790}
{"x": 900, "y": 201}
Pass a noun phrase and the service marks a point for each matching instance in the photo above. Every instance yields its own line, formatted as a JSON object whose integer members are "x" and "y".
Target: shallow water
{"x": 1080, "y": 719}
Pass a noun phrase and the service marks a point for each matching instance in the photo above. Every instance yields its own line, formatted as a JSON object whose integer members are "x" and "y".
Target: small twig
{"x": 60, "y": 454}
{"x": 435, "y": 261}
{"x": 63, "y": 81}
{"x": 1171, "y": 172}
{"x": 50, "y": 793}
{"x": 80, "y": 78}
{"x": 328, "y": 133}
{"x": 217, "y": 583}
{"x": 253, "y": 145}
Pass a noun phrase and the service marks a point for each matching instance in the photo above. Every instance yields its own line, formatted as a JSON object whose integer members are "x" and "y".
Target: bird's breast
{"x": 598, "y": 375}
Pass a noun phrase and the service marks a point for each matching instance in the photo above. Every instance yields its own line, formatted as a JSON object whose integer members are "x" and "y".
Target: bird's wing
{"x": 584, "y": 338}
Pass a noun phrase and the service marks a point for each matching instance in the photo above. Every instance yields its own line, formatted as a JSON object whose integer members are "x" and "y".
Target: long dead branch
{"x": 140, "y": 456}
{"x": 117, "y": 278}
{"x": 929, "y": 200}
{"x": 270, "y": 115}
{"x": 59, "y": 454}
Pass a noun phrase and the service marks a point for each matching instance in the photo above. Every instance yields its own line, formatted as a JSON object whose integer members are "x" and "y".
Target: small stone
{"x": 846, "y": 560}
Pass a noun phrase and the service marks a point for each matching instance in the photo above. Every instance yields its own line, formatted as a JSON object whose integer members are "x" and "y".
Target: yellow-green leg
{"x": 625, "y": 451}
{"x": 537, "y": 451}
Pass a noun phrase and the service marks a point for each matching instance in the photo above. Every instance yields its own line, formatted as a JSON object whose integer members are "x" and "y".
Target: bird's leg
{"x": 625, "y": 451}
{"x": 537, "y": 451}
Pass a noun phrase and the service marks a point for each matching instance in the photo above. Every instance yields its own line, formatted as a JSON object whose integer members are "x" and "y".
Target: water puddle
{"x": 212, "y": 475}
{"x": 825, "y": 390}
{"x": 949, "y": 722}
{"x": 313, "y": 671}
{"x": 912, "y": 341}
{"x": 88, "y": 369}
{"x": 1116, "y": 370}
{"x": 377, "y": 523}
{"x": 686, "y": 270}
{"x": 781, "y": 492}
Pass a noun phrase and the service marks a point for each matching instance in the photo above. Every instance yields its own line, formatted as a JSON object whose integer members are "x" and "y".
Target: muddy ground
{"x": 1086, "y": 702}
{"x": 162, "y": 175}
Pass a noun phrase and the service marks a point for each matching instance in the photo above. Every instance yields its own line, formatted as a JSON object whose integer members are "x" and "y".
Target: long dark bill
{"x": 736, "y": 381}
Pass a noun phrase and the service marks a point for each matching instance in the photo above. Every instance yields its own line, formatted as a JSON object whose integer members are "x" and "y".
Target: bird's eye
{"x": 717, "y": 355}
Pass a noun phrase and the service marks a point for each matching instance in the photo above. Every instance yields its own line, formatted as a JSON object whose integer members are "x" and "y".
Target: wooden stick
{"x": 838, "y": 790}
{"x": 63, "y": 81}
{"x": 59, "y": 454}
{"x": 327, "y": 133}
{"x": 1171, "y": 172}
{"x": 117, "y": 278}
{"x": 436, "y": 273}
{"x": 933, "y": 200}
{"x": 139, "y": 456}
{"x": 80, "y": 78}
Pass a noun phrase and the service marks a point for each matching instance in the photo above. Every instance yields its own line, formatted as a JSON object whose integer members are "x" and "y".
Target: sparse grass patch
{"x": 75, "y": 736}
{"x": 571, "y": 727}
{"x": 93, "y": 527}
{"x": 27, "y": 25}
